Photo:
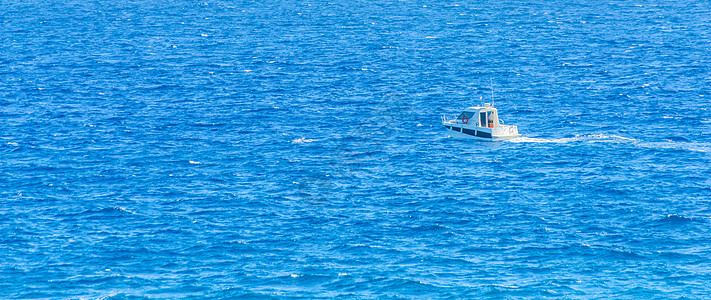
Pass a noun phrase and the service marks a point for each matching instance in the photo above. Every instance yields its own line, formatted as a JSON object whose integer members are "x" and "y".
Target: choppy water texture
{"x": 173, "y": 149}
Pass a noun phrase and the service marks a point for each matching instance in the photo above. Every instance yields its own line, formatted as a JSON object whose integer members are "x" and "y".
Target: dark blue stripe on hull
{"x": 471, "y": 132}
{"x": 477, "y": 133}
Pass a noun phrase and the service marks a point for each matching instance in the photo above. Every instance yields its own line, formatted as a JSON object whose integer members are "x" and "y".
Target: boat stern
{"x": 504, "y": 132}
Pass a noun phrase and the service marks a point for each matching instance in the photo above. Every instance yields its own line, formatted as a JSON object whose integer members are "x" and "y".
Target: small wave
{"x": 306, "y": 279}
{"x": 406, "y": 284}
{"x": 122, "y": 209}
{"x": 302, "y": 140}
{"x": 104, "y": 213}
{"x": 674, "y": 219}
{"x": 677, "y": 139}
{"x": 429, "y": 228}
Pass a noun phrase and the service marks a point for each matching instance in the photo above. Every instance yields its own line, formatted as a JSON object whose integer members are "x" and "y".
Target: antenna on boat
{"x": 492, "y": 91}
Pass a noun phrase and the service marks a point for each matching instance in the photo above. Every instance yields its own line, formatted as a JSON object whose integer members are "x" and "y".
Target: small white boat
{"x": 480, "y": 123}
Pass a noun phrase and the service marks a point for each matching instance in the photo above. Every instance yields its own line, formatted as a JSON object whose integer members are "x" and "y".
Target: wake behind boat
{"x": 480, "y": 123}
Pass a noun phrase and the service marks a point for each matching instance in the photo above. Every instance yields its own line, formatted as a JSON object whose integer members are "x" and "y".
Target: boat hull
{"x": 482, "y": 134}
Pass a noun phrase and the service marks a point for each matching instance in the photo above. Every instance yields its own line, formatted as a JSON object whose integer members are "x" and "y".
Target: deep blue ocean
{"x": 293, "y": 149}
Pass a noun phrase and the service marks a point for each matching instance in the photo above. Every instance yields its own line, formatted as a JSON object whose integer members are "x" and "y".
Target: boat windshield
{"x": 469, "y": 115}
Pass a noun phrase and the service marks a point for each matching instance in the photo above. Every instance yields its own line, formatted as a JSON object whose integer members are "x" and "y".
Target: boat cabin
{"x": 481, "y": 116}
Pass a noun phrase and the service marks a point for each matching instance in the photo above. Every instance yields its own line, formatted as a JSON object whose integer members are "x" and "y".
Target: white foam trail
{"x": 603, "y": 138}
{"x": 581, "y": 138}
{"x": 524, "y": 139}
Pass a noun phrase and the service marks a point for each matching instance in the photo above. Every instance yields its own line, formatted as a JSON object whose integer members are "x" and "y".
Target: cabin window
{"x": 482, "y": 119}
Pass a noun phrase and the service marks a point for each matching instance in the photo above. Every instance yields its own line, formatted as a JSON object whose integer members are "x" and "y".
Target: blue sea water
{"x": 292, "y": 149}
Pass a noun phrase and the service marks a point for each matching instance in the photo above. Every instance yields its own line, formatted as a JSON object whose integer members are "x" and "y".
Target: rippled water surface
{"x": 257, "y": 149}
